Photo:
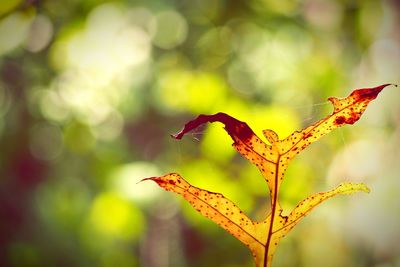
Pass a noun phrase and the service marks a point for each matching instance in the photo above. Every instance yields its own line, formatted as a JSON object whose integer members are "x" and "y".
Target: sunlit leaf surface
{"x": 272, "y": 159}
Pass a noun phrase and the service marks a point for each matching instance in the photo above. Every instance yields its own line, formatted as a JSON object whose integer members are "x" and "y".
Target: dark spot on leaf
{"x": 340, "y": 120}
{"x": 307, "y": 135}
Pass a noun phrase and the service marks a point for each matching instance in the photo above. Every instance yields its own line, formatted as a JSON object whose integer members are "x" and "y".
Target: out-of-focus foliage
{"x": 89, "y": 91}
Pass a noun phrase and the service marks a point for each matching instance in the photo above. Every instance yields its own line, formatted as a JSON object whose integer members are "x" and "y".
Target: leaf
{"x": 213, "y": 206}
{"x": 272, "y": 160}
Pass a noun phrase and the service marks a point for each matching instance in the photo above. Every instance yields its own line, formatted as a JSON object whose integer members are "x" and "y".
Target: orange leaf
{"x": 213, "y": 206}
{"x": 272, "y": 160}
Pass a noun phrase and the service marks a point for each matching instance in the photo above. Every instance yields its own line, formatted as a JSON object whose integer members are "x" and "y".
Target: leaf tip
{"x": 177, "y": 136}
{"x": 365, "y": 189}
{"x": 180, "y": 134}
{"x": 349, "y": 188}
{"x": 165, "y": 181}
{"x": 271, "y": 136}
{"x": 147, "y": 179}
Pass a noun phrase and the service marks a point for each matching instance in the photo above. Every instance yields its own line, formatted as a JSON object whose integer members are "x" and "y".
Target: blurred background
{"x": 91, "y": 90}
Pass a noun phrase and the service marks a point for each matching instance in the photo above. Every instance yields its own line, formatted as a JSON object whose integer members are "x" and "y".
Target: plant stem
{"x": 267, "y": 263}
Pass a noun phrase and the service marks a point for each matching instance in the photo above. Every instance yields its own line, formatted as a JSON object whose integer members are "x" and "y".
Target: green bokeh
{"x": 91, "y": 90}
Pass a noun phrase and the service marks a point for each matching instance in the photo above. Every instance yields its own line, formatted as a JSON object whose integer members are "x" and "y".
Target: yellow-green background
{"x": 91, "y": 90}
